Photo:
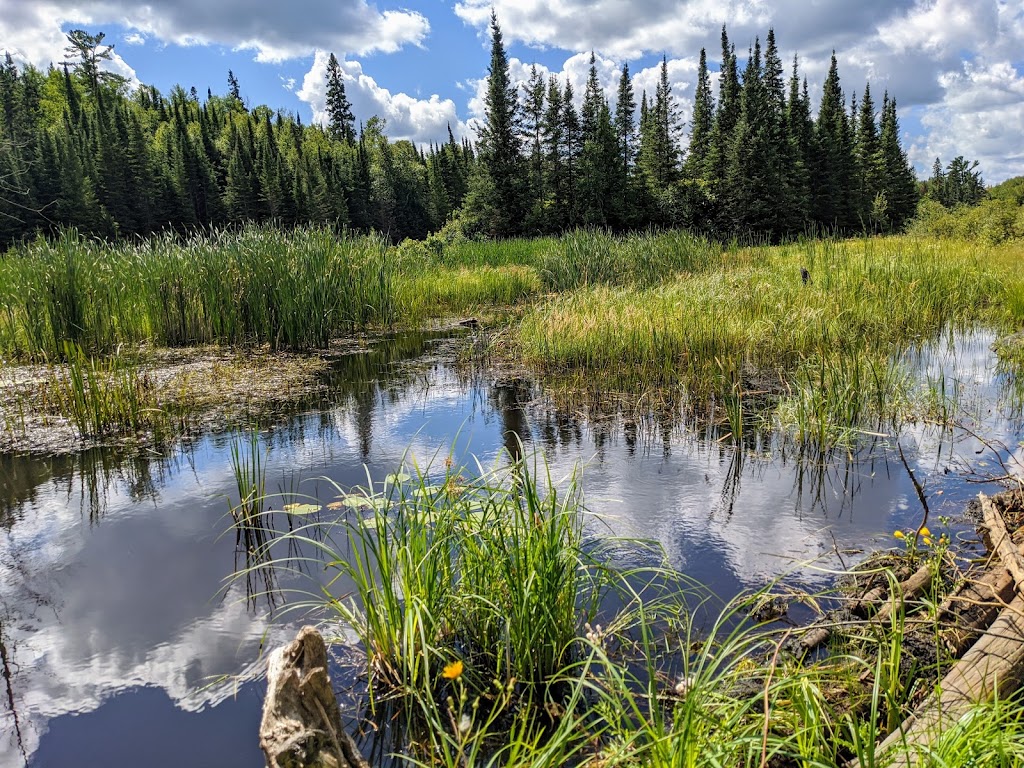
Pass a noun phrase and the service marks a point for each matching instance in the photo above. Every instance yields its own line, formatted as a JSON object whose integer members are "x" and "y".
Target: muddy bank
{"x": 198, "y": 388}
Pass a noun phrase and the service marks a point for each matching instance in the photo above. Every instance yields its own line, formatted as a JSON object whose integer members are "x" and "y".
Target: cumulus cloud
{"x": 278, "y": 31}
{"x": 576, "y": 70}
{"x": 979, "y": 117}
{"x": 418, "y": 120}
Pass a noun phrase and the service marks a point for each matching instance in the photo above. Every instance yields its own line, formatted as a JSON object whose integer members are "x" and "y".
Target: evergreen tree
{"x": 625, "y": 134}
{"x": 234, "y": 90}
{"x": 497, "y": 198}
{"x": 899, "y": 183}
{"x": 340, "y": 120}
{"x": 800, "y": 137}
{"x": 554, "y": 149}
{"x": 89, "y": 52}
{"x": 831, "y": 180}
{"x": 726, "y": 116}
{"x": 870, "y": 197}
{"x": 533, "y": 124}
{"x": 702, "y": 122}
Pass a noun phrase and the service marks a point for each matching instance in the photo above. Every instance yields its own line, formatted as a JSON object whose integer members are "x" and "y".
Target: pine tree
{"x": 340, "y": 120}
{"x": 800, "y": 136}
{"x": 625, "y": 129}
{"x": 624, "y": 204}
{"x": 533, "y": 114}
{"x": 573, "y": 150}
{"x": 702, "y": 121}
{"x": 832, "y": 158}
{"x": 726, "y": 116}
{"x": 899, "y": 182}
{"x": 497, "y": 197}
{"x": 90, "y": 53}
{"x": 554, "y": 149}
{"x": 871, "y": 198}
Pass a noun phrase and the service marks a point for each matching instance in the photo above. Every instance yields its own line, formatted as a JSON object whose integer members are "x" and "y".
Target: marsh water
{"x": 126, "y": 642}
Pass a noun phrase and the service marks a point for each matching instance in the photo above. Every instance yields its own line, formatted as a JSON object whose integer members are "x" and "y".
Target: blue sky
{"x": 955, "y": 66}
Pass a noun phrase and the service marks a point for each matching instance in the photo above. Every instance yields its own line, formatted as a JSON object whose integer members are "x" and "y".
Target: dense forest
{"x": 77, "y": 148}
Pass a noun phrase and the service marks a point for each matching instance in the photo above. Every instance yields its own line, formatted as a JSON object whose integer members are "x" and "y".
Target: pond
{"x": 126, "y": 642}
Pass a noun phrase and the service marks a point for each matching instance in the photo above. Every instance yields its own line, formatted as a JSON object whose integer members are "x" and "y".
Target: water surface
{"x": 125, "y": 642}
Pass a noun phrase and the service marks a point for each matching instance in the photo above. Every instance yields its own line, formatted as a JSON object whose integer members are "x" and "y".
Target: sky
{"x": 956, "y": 67}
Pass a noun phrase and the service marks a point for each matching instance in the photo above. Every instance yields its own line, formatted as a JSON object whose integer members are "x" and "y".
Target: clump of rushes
{"x": 295, "y": 289}
{"x": 476, "y": 602}
{"x": 105, "y": 397}
{"x": 469, "y": 580}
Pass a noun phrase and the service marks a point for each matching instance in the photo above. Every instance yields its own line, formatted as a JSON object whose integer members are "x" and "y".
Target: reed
{"x": 105, "y": 397}
{"x": 255, "y": 285}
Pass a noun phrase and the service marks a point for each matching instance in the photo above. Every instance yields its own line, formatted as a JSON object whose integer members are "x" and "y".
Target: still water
{"x": 125, "y": 641}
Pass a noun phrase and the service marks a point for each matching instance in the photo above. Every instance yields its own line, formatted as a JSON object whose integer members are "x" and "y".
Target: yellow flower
{"x": 923, "y": 531}
{"x": 899, "y": 535}
{"x": 927, "y": 541}
{"x": 452, "y": 671}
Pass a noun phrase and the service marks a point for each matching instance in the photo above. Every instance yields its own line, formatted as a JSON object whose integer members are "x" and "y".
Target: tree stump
{"x": 301, "y": 725}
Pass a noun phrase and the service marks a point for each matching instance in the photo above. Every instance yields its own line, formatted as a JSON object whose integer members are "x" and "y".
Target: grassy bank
{"x": 736, "y": 326}
{"x": 495, "y": 633}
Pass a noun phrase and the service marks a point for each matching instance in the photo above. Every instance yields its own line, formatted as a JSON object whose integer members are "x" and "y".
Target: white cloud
{"x": 134, "y": 38}
{"x": 278, "y": 31}
{"x": 979, "y": 117}
{"x": 418, "y": 120}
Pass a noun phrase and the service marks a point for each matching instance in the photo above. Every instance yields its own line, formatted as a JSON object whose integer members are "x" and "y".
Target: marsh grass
{"x": 493, "y": 637}
{"x": 461, "y": 291}
{"x": 105, "y": 396}
{"x": 826, "y": 348}
{"x": 253, "y": 285}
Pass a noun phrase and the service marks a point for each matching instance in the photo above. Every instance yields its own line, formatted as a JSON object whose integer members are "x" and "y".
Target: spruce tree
{"x": 340, "y": 120}
{"x": 625, "y": 130}
{"x": 702, "y": 122}
{"x": 533, "y": 114}
{"x": 899, "y": 181}
{"x": 498, "y": 197}
{"x": 624, "y": 204}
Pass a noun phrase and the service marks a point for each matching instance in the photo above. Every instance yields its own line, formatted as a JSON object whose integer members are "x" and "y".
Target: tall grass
{"x": 105, "y": 397}
{"x": 825, "y": 346}
{"x": 254, "y": 285}
{"x": 477, "y": 605}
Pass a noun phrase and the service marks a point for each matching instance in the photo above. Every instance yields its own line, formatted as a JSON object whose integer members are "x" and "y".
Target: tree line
{"x": 757, "y": 161}
{"x": 78, "y": 149}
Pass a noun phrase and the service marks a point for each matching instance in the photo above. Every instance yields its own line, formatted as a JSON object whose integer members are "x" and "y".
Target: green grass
{"x": 476, "y": 602}
{"x": 735, "y": 326}
{"x": 256, "y": 285}
{"x": 105, "y": 397}
{"x": 824, "y": 350}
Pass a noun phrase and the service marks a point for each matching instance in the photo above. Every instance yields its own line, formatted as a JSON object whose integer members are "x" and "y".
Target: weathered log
{"x": 974, "y": 607}
{"x": 994, "y": 666}
{"x": 906, "y": 590}
{"x": 301, "y": 725}
{"x": 1001, "y": 542}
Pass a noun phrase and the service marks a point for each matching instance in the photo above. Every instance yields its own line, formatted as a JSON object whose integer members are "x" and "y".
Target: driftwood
{"x": 301, "y": 725}
{"x": 868, "y": 604}
{"x": 994, "y": 665}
